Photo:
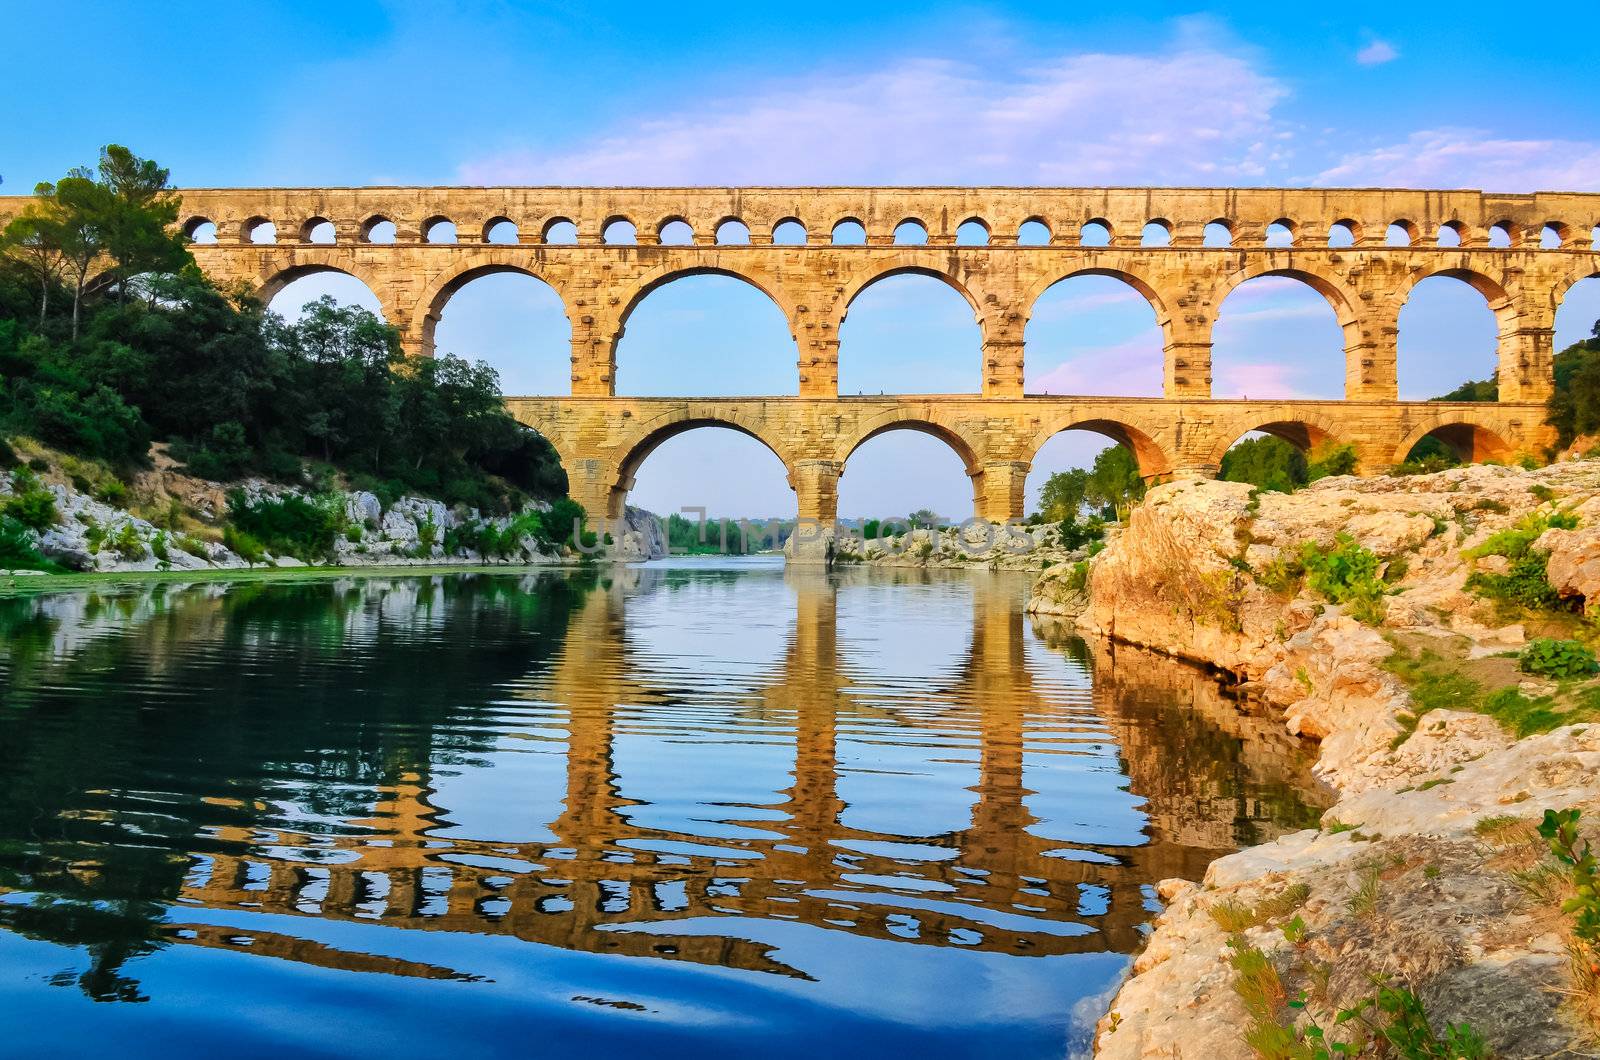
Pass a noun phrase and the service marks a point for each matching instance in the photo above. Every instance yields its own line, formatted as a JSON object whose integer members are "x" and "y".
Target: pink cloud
{"x": 1471, "y": 158}
{"x": 1193, "y": 114}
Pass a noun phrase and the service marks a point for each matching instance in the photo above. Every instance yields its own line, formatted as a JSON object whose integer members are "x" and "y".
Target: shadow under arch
{"x": 1153, "y": 460}
{"x": 439, "y": 294}
{"x": 1305, "y": 433}
{"x": 1344, "y": 313}
{"x": 1470, "y": 442}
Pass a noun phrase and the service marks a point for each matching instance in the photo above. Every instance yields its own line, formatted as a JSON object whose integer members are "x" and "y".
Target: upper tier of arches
{"x": 997, "y": 217}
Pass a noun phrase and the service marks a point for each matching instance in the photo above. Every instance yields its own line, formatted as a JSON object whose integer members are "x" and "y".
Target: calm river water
{"x": 692, "y": 809}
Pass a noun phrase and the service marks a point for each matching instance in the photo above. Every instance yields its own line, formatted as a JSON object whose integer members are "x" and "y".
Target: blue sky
{"x": 1248, "y": 94}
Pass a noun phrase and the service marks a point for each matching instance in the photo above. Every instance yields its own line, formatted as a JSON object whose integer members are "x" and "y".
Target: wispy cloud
{"x": 1255, "y": 380}
{"x": 1377, "y": 52}
{"x": 1195, "y": 114}
{"x": 1127, "y": 369}
{"x": 1471, "y": 158}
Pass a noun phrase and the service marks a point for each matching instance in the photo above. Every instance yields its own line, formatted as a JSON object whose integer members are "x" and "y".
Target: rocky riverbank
{"x": 167, "y": 520}
{"x": 976, "y": 546}
{"x": 1384, "y": 618}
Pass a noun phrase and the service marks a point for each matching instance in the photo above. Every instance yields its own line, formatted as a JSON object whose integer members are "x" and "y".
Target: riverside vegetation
{"x": 112, "y": 340}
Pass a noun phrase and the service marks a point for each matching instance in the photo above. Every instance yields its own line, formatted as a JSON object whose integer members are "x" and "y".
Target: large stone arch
{"x": 1154, "y": 460}
{"x": 489, "y": 262}
{"x": 924, "y": 421}
{"x": 1509, "y": 323}
{"x": 992, "y": 325}
{"x": 631, "y": 451}
{"x": 1472, "y": 441}
{"x": 915, "y": 419}
{"x": 1358, "y": 343}
{"x": 275, "y": 281}
{"x": 910, "y": 265}
{"x": 1159, "y": 305}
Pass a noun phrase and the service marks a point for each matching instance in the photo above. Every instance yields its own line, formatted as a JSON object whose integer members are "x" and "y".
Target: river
{"x": 689, "y": 809}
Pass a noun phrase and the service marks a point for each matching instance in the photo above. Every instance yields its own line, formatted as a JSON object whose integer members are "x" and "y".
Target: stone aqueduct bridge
{"x": 602, "y": 439}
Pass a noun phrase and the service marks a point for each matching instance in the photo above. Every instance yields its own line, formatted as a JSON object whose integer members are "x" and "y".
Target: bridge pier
{"x": 816, "y": 487}
{"x": 1000, "y": 488}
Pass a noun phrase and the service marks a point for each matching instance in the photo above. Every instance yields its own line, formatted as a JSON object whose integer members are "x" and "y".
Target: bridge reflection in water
{"x": 652, "y": 767}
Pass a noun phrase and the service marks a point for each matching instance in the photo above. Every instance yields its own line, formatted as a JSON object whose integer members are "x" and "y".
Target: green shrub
{"x": 30, "y": 505}
{"x": 112, "y": 492}
{"x": 247, "y": 547}
{"x": 1345, "y": 574}
{"x": 1330, "y": 460}
{"x": 1075, "y": 535}
{"x": 1548, "y": 657}
{"x": 1077, "y": 578}
{"x": 158, "y": 547}
{"x": 1526, "y": 580}
{"x": 290, "y": 525}
{"x": 1521, "y": 715}
{"x": 17, "y": 550}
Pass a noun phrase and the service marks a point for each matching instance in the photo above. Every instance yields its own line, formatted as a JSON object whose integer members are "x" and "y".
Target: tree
{"x": 1574, "y": 407}
{"x": 122, "y": 215}
{"x": 924, "y": 519}
{"x": 29, "y": 239}
{"x": 1063, "y": 493}
{"x": 1114, "y": 484}
{"x": 1267, "y": 463}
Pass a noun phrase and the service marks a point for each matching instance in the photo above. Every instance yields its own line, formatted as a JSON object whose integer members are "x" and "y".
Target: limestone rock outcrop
{"x": 1402, "y": 880}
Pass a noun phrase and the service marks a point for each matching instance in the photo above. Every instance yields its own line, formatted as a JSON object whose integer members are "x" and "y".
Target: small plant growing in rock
{"x": 1548, "y": 657}
{"x": 1526, "y": 580}
{"x": 1345, "y": 574}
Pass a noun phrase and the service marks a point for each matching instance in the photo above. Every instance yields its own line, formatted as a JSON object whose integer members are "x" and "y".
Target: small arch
{"x": 732, "y": 232}
{"x": 675, "y": 232}
{"x": 1502, "y": 235}
{"x": 1400, "y": 234}
{"x": 439, "y": 230}
{"x": 1468, "y": 442}
{"x": 1344, "y": 233}
{"x": 1033, "y": 232}
{"x": 1281, "y": 233}
{"x": 319, "y": 230}
{"x": 559, "y": 232}
{"x": 1451, "y": 234}
{"x": 200, "y": 230}
{"x": 619, "y": 232}
{"x": 501, "y": 231}
{"x": 910, "y": 233}
{"x": 972, "y": 232}
{"x": 849, "y": 232}
{"x": 1553, "y": 236}
{"x": 1218, "y": 233}
{"x": 1095, "y": 233}
{"x": 378, "y": 229}
{"x": 1157, "y": 233}
{"x": 258, "y": 230}
{"x": 789, "y": 232}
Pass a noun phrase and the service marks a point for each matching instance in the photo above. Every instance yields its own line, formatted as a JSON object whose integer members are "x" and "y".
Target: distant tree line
{"x": 111, "y": 337}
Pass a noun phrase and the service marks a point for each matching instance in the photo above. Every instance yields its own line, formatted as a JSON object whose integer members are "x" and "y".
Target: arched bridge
{"x": 1521, "y": 252}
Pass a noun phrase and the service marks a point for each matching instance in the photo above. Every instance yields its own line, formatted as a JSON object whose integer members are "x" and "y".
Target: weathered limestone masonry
{"x": 602, "y": 438}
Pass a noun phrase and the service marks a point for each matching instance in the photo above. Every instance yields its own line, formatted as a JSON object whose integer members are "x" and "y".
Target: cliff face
{"x": 1211, "y": 572}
